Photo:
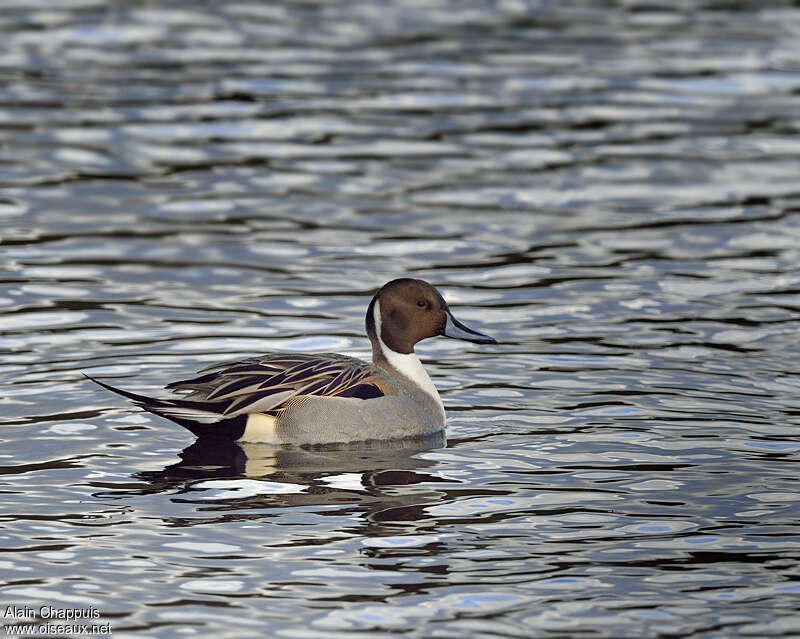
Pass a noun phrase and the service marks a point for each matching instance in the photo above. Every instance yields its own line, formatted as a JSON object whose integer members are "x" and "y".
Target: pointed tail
{"x": 204, "y": 419}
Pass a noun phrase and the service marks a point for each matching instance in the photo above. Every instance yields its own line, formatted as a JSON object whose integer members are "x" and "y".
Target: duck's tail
{"x": 204, "y": 419}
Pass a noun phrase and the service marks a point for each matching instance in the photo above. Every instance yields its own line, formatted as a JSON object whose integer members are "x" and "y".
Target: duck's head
{"x": 405, "y": 311}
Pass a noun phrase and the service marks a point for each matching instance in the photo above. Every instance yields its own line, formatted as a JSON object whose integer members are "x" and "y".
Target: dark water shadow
{"x": 379, "y": 463}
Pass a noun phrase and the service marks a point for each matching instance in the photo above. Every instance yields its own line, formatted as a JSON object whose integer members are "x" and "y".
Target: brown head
{"x": 405, "y": 311}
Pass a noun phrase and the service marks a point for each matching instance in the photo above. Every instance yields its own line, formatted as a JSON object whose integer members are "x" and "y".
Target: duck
{"x": 315, "y": 399}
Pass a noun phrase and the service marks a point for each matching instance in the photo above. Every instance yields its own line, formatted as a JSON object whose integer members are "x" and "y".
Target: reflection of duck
{"x": 205, "y": 459}
{"x": 317, "y": 399}
{"x": 390, "y": 480}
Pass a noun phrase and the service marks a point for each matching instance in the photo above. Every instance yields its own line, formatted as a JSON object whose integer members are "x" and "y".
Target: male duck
{"x": 316, "y": 399}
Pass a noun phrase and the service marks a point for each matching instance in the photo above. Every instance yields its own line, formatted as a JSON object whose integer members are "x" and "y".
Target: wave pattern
{"x": 609, "y": 188}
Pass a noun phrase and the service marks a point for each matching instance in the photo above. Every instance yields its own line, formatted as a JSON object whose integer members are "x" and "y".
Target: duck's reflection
{"x": 224, "y": 476}
{"x": 204, "y": 459}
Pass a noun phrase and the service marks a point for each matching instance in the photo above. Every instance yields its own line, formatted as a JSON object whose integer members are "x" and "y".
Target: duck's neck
{"x": 406, "y": 364}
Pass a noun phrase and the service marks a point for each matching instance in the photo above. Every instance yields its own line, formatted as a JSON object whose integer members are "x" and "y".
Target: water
{"x": 609, "y": 189}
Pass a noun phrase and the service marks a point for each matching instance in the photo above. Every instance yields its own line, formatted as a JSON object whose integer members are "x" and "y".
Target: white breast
{"x": 407, "y": 364}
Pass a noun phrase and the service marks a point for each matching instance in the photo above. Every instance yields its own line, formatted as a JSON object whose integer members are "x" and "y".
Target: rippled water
{"x": 610, "y": 189}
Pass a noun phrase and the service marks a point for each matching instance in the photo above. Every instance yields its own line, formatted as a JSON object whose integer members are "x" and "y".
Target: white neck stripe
{"x": 407, "y": 364}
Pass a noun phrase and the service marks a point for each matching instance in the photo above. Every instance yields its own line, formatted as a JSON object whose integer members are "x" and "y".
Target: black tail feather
{"x": 141, "y": 400}
{"x": 226, "y": 428}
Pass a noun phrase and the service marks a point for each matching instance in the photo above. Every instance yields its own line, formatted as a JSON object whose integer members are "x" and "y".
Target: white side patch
{"x": 406, "y": 363}
{"x": 260, "y": 429}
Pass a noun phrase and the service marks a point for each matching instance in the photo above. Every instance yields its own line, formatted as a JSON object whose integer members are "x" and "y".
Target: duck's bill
{"x": 455, "y": 329}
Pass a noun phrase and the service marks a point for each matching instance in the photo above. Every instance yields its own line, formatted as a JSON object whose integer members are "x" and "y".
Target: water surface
{"x": 610, "y": 189}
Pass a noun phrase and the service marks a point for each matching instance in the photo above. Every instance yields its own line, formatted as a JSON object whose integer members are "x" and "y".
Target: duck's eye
{"x": 422, "y": 303}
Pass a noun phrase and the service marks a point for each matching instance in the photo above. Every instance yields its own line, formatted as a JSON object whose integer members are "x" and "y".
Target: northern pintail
{"x": 301, "y": 398}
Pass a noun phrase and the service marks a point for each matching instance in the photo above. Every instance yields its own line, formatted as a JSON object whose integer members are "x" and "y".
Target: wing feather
{"x": 268, "y": 383}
